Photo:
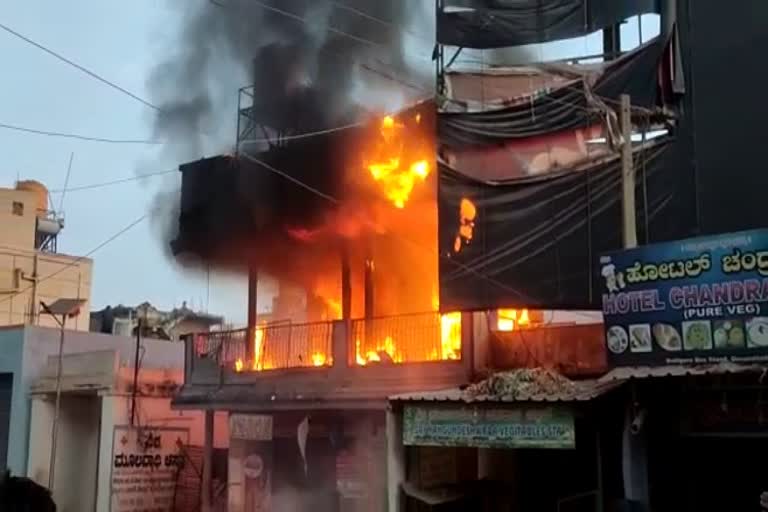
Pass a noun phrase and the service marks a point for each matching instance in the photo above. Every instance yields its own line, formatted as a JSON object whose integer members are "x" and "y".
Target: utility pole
{"x": 64, "y": 308}
{"x": 627, "y": 175}
{"x": 135, "y": 373}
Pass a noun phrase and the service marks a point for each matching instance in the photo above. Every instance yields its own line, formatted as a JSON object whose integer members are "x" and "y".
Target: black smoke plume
{"x": 344, "y": 58}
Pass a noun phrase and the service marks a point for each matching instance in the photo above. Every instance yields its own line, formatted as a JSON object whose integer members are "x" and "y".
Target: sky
{"x": 121, "y": 41}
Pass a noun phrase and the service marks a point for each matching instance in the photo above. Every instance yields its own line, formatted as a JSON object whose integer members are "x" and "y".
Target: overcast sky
{"x": 121, "y": 41}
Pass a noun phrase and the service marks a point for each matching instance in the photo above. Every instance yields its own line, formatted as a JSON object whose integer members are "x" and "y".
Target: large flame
{"x": 510, "y": 319}
{"x": 390, "y": 167}
{"x": 257, "y": 363}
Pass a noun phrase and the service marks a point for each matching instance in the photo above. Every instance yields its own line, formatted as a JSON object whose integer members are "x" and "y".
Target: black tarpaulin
{"x": 565, "y": 107}
{"x": 502, "y": 23}
{"x": 535, "y": 240}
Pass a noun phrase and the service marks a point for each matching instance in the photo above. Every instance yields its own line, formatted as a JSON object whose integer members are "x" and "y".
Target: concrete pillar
{"x": 109, "y": 408}
{"x": 207, "y": 487}
{"x": 396, "y": 470}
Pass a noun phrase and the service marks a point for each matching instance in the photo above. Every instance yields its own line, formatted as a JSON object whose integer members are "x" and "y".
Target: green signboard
{"x": 483, "y": 427}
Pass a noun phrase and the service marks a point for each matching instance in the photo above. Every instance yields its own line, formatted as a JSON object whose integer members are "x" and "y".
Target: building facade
{"x": 31, "y": 269}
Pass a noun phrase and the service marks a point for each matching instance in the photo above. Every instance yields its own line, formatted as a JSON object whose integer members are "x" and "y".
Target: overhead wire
{"x": 335, "y": 201}
{"x": 79, "y": 67}
{"x": 304, "y": 135}
{"x": 76, "y": 136}
{"x": 78, "y": 259}
{"x": 380, "y": 21}
{"x": 481, "y": 275}
{"x": 342, "y": 33}
{"x": 113, "y": 182}
{"x": 331, "y": 29}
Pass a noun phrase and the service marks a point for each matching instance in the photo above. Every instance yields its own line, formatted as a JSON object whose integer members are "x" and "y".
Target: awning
{"x": 654, "y": 372}
{"x": 521, "y": 385}
{"x": 584, "y": 391}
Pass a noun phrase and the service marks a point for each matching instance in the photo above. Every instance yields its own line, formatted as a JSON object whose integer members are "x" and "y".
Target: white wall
{"x": 154, "y": 412}
{"x": 25, "y": 352}
{"x": 76, "y": 449}
{"x": 40, "y": 425}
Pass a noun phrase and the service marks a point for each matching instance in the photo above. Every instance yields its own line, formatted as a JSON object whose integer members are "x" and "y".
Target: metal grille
{"x": 404, "y": 339}
{"x": 276, "y": 346}
{"x": 297, "y": 345}
{"x": 225, "y": 347}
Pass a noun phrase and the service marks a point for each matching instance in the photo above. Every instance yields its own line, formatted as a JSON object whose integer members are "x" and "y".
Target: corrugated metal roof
{"x": 647, "y": 372}
{"x": 581, "y": 391}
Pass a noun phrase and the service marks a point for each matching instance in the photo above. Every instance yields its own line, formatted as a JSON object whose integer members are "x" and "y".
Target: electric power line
{"x": 380, "y": 21}
{"x": 79, "y": 258}
{"x": 114, "y": 182}
{"x": 467, "y": 268}
{"x": 75, "y": 135}
{"x": 331, "y": 29}
{"x": 81, "y": 68}
{"x": 304, "y": 135}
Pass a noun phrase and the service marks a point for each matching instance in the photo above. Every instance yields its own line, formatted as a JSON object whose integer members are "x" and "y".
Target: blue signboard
{"x": 695, "y": 301}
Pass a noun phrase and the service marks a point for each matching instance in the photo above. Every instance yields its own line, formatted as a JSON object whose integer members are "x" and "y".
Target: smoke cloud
{"x": 343, "y": 51}
{"x": 348, "y": 56}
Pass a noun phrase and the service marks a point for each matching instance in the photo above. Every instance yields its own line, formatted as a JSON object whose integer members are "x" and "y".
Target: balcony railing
{"x": 406, "y": 338}
{"x": 272, "y": 347}
{"x": 417, "y": 338}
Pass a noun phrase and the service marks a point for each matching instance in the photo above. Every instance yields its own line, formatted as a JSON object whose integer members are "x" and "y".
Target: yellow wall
{"x": 59, "y": 276}
{"x": 18, "y": 230}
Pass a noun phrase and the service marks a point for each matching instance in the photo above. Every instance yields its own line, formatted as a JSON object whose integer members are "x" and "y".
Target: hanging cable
{"x": 79, "y": 67}
{"x": 76, "y": 136}
{"x": 77, "y": 260}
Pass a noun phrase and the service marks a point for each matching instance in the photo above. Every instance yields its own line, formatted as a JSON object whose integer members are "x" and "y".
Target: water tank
{"x": 40, "y": 191}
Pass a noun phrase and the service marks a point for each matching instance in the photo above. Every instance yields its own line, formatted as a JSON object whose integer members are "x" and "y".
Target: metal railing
{"x": 415, "y": 338}
{"x": 224, "y": 347}
{"x": 295, "y": 345}
{"x": 273, "y": 347}
{"x": 406, "y": 338}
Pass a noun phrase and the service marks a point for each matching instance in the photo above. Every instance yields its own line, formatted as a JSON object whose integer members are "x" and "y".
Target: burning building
{"x": 347, "y": 222}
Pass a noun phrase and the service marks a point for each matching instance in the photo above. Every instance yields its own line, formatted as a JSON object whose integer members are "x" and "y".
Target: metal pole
{"x": 135, "y": 373}
{"x": 627, "y": 175}
{"x": 55, "y": 430}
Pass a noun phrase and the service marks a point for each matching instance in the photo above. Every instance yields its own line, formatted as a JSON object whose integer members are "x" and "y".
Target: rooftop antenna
{"x": 66, "y": 182}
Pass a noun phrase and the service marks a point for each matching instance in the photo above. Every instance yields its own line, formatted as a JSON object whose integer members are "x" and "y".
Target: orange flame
{"x": 467, "y": 216}
{"x": 510, "y": 319}
{"x": 319, "y": 359}
{"x": 450, "y": 336}
{"x": 388, "y": 350}
{"x": 396, "y": 178}
{"x": 258, "y": 364}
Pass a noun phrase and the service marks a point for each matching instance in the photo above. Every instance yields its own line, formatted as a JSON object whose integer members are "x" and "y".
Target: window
{"x": 18, "y": 208}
